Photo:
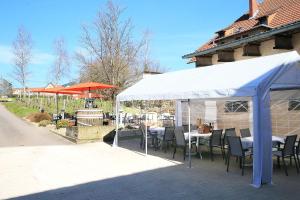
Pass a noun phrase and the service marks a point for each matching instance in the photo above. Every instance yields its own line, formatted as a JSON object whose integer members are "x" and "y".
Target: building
{"x": 269, "y": 27}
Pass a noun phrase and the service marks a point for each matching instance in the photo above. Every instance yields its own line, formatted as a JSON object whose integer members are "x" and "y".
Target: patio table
{"x": 196, "y": 134}
{"x": 247, "y": 142}
{"x": 160, "y": 131}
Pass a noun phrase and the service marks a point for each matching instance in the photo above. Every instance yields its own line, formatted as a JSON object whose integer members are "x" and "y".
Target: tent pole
{"x": 146, "y": 131}
{"x": 116, "y": 142}
{"x": 189, "y": 111}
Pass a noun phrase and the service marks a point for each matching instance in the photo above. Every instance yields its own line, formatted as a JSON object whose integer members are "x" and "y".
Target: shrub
{"x": 44, "y": 123}
{"x": 37, "y": 117}
{"x": 63, "y": 123}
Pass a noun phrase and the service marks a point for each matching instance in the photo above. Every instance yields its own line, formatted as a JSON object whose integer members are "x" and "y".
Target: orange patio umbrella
{"x": 91, "y": 95}
{"x": 89, "y": 86}
{"x": 57, "y": 90}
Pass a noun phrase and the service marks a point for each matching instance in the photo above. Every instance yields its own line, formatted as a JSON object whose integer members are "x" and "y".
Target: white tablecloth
{"x": 197, "y": 135}
{"x": 247, "y": 142}
{"x": 160, "y": 131}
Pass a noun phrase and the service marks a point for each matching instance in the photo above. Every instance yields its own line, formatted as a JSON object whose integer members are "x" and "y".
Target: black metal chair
{"x": 186, "y": 127}
{"x": 180, "y": 141}
{"x": 228, "y": 132}
{"x": 215, "y": 141}
{"x": 245, "y": 132}
{"x": 144, "y": 135}
{"x": 168, "y": 138}
{"x": 298, "y": 152}
{"x": 288, "y": 151}
{"x": 235, "y": 148}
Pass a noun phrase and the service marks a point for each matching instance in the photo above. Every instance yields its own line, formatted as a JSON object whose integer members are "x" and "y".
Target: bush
{"x": 63, "y": 123}
{"x": 44, "y": 123}
{"x": 37, "y": 117}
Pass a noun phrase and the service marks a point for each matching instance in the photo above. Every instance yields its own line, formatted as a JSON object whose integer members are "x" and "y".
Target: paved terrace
{"x": 98, "y": 171}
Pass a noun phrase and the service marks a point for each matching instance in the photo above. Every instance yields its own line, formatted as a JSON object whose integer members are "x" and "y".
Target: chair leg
{"x": 228, "y": 159}
{"x": 223, "y": 154}
{"x": 278, "y": 162}
{"x": 297, "y": 167}
{"x": 211, "y": 153}
{"x": 284, "y": 166}
{"x": 243, "y": 164}
{"x": 174, "y": 152}
{"x": 184, "y": 152}
{"x": 298, "y": 160}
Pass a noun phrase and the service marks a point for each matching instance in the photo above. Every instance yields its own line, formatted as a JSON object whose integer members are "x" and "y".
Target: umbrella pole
{"x": 189, "y": 111}
{"x": 56, "y": 108}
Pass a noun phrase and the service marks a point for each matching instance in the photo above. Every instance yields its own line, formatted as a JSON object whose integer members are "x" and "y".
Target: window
{"x": 294, "y": 104}
{"x": 236, "y": 106}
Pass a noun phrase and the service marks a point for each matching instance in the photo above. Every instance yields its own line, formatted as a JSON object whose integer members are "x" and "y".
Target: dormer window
{"x": 263, "y": 20}
{"x": 221, "y": 34}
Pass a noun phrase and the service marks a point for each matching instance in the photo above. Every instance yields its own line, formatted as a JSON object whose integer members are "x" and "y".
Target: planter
{"x": 82, "y": 134}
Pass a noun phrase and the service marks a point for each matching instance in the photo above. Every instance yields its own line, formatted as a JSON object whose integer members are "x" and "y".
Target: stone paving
{"x": 99, "y": 171}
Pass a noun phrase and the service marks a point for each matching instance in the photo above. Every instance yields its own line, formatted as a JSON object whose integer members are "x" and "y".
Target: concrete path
{"x": 17, "y": 132}
{"x": 47, "y": 167}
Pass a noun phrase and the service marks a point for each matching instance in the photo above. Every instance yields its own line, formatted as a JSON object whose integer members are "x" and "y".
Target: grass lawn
{"x": 19, "y": 109}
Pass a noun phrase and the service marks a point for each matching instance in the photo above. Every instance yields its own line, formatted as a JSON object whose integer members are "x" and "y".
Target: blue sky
{"x": 177, "y": 27}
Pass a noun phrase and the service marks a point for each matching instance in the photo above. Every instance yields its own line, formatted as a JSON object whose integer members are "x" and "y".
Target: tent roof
{"x": 234, "y": 79}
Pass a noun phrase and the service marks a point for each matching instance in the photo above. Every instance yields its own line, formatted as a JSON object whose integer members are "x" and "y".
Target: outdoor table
{"x": 155, "y": 133}
{"x": 160, "y": 131}
{"x": 247, "y": 142}
{"x": 196, "y": 134}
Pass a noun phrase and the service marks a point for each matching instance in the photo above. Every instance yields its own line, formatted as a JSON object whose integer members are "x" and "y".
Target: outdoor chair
{"x": 180, "y": 141}
{"x": 235, "y": 148}
{"x": 168, "y": 138}
{"x": 228, "y": 132}
{"x": 143, "y": 136}
{"x": 298, "y": 152}
{"x": 245, "y": 132}
{"x": 288, "y": 151}
{"x": 186, "y": 127}
{"x": 215, "y": 141}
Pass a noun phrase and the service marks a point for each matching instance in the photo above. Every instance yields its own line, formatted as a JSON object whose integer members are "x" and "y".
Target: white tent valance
{"x": 240, "y": 78}
{"x": 252, "y": 78}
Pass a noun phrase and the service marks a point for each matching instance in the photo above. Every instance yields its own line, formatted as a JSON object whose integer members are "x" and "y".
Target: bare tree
{"x": 111, "y": 53}
{"x": 21, "y": 48}
{"x": 61, "y": 65}
{"x": 148, "y": 64}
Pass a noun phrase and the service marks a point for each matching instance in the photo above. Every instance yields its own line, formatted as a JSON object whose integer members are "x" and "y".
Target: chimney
{"x": 253, "y": 7}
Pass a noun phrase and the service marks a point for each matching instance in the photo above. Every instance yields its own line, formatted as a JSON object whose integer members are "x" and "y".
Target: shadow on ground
{"x": 205, "y": 180}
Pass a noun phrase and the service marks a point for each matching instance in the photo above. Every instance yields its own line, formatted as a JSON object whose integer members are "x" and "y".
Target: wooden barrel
{"x": 89, "y": 117}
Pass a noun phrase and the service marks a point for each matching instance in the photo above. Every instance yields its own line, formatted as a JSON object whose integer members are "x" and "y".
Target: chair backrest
{"x": 179, "y": 136}
{"x": 245, "y": 132}
{"x": 186, "y": 127}
{"x": 298, "y": 147}
{"x": 289, "y": 145}
{"x": 216, "y": 137}
{"x": 169, "y": 133}
{"x": 235, "y": 145}
{"x": 228, "y": 132}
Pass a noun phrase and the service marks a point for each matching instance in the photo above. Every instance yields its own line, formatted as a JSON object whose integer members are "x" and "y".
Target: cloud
{"x": 38, "y": 57}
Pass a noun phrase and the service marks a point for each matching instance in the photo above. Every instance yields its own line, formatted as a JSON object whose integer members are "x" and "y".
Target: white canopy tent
{"x": 252, "y": 78}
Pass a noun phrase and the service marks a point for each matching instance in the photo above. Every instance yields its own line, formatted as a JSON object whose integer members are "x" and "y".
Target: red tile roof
{"x": 280, "y": 12}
